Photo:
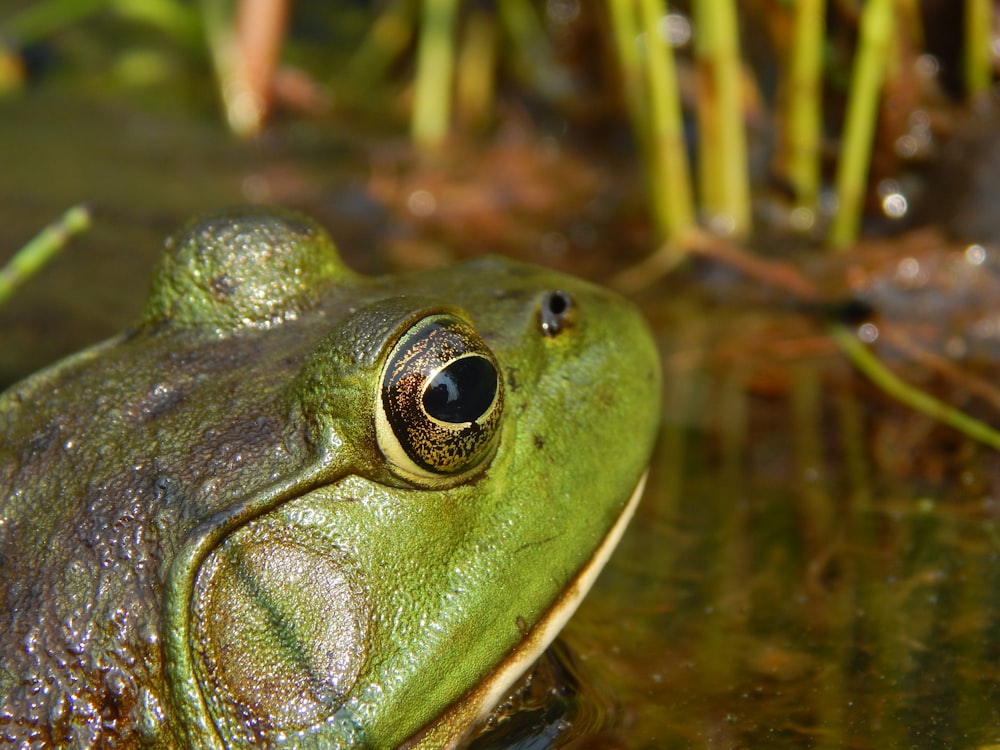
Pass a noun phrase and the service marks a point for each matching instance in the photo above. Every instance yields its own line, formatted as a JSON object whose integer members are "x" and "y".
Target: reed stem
{"x": 913, "y": 397}
{"x": 435, "y": 66}
{"x": 387, "y": 39}
{"x": 862, "y": 116}
{"x": 27, "y": 261}
{"x": 670, "y": 175}
{"x": 477, "y": 64}
{"x": 722, "y": 152}
{"x": 978, "y": 48}
{"x": 41, "y": 19}
{"x": 804, "y": 90}
{"x": 625, "y": 28}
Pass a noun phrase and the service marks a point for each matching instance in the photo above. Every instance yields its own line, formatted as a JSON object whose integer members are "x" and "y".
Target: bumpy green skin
{"x": 218, "y": 467}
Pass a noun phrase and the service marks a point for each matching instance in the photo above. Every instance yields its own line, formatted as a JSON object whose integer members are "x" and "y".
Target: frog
{"x": 297, "y": 506}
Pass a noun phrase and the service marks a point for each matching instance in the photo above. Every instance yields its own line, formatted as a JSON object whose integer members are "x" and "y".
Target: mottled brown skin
{"x": 110, "y": 458}
{"x": 83, "y": 578}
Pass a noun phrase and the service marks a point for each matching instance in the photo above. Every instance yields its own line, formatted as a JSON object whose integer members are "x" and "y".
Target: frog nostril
{"x": 555, "y": 312}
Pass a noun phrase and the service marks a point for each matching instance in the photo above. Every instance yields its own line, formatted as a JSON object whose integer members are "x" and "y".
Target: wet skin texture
{"x": 296, "y": 507}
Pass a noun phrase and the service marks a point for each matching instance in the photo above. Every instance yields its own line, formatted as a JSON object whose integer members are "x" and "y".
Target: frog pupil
{"x": 462, "y": 391}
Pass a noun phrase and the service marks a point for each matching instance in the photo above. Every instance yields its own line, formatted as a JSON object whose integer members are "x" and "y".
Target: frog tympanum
{"x": 297, "y": 507}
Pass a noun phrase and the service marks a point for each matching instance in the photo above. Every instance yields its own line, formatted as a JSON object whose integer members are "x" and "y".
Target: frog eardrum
{"x": 440, "y": 401}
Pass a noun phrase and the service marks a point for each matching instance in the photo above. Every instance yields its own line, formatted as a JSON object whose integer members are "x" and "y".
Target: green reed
{"x": 44, "y": 246}
{"x": 978, "y": 48}
{"x": 435, "y": 63}
{"x": 913, "y": 397}
{"x": 803, "y": 93}
{"x": 862, "y": 115}
{"x": 724, "y": 178}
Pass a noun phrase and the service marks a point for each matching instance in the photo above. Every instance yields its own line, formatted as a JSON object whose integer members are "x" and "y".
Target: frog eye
{"x": 440, "y": 399}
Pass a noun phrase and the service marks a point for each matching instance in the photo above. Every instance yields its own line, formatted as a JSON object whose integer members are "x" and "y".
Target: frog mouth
{"x": 477, "y": 704}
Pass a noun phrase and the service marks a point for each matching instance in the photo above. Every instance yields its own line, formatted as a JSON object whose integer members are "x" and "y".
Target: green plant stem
{"x": 913, "y": 397}
{"x": 625, "y": 28}
{"x": 670, "y": 175}
{"x": 862, "y": 115}
{"x": 978, "y": 42}
{"x": 260, "y": 27}
{"x": 220, "y": 32}
{"x": 177, "y": 19}
{"x": 41, "y": 19}
{"x": 725, "y": 182}
{"x": 41, "y": 249}
{"x": 531, "y": 57}
{"x": 804, "y": 102}
{"x": 388, "y": 38}
{"x": 435, "y": 63}
{"x": 477, "y": 64}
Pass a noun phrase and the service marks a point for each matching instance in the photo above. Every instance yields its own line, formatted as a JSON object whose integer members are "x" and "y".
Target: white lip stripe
{"x": 549, "y": 626}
